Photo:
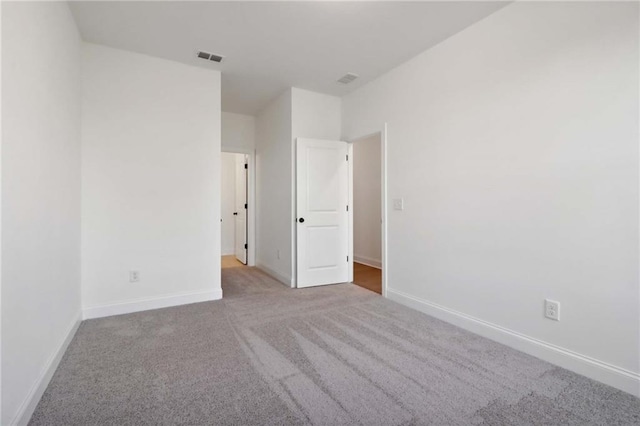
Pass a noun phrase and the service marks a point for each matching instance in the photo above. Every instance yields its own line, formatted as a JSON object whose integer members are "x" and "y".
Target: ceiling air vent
{"x": 209, "y": 56}
{"x": 348, "y": 78}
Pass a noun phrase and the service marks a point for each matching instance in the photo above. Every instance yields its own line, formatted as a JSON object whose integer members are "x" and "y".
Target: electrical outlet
{"x": 552, "y": 309}
{"x": 398, "y": 204}
{"x": 134, "y": 276}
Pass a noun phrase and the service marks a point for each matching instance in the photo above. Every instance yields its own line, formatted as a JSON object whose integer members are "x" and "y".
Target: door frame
{"x": 384, "y": 203}
{"x": 251, "y": 200}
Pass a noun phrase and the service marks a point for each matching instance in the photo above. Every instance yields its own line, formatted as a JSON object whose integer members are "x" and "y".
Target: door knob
{"x": 235, "y": 213}
{"x": 301, "y": 220}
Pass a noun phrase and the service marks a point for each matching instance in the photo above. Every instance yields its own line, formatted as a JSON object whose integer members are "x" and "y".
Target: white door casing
{"x": 322, "y": 217}
{"x": 240, "y": 212}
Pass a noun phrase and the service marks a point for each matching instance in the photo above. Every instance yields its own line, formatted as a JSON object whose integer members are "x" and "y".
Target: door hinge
{"x": 246, "y": 166}
{"x": 347, "y": 157}
{"x": 347, "y": 258}
{"x": 246, "y": 246}
{"x": 347, "y": 208}
{"x": 245, "y": 206}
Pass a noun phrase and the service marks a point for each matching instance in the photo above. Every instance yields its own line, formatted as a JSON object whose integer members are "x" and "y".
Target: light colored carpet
{"x": 331, "y": 355}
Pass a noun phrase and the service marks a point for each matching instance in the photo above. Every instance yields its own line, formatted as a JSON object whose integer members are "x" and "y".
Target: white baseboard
{"x": 369, "y": 261}
{"x": 274, "y": 274}
{"x": 37, "y": 390}
{"x": 611, "y": 375}
{"x": 137, "y": 305}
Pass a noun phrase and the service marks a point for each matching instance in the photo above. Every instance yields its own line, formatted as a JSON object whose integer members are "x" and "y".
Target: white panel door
{"x": 322, "y": 195}
{"x": 240, "y": 212}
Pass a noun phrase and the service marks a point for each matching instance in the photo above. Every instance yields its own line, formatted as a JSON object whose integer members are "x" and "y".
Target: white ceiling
{"x": 269, "y": 46}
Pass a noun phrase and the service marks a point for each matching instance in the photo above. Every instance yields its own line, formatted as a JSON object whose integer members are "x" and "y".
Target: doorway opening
{"x": 326, "y": 251}
{"x": 368, "y": 212}
{"x": 236, "y": 210}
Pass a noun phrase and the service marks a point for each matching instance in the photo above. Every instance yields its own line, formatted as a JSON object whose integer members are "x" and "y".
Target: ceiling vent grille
{"x": 209, "y": 56}
{"x": 348, "y": 78}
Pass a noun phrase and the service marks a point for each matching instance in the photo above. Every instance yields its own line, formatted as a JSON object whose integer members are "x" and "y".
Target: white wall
{"x": 515, "y": 147}
{"x": 273, "y": 188}
{"x": 228, "y": 201}
{"x": 367, "y": 201}
{"x": 150, "y": 182}
{"x": 313, "y": 115}
{"x": 40, "y": 198}
{"x": 238, "y": 132}
{"x": 296, "y": 113}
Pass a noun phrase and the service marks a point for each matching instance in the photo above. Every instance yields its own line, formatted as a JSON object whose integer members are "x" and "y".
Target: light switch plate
{"x": 398, "y": 204}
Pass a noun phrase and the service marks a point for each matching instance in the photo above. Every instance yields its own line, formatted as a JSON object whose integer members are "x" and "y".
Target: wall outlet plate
{"x": 398, "y": 204}
{"x": 134, "y": 276}
{"x": 552, "y": 309}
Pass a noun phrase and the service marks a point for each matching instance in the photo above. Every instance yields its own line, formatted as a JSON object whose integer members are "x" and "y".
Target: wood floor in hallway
{"x": 367, "y": 277}
{"x": 230, "y": 261}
